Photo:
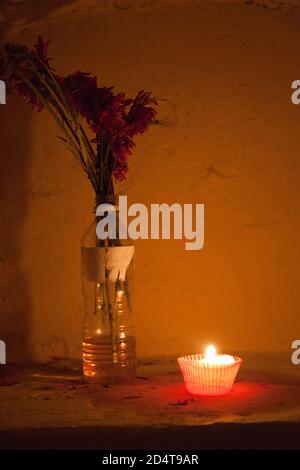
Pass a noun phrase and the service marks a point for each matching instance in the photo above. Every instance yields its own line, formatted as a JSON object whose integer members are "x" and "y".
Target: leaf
{"x": 73, "y": 145}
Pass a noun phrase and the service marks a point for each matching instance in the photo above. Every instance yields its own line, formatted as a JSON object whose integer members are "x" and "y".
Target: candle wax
{"x": 219, "y": 359}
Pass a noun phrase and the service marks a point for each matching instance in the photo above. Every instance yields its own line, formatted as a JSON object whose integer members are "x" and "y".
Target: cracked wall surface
{"x": 228, "y": 137}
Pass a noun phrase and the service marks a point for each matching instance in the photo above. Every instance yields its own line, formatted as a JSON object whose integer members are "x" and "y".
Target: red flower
{"x": 141, "y": 115}
{"x": 120, "y": 172}
{"x": 80, "y": 90}
{"x": 29, "y": 96}
{"x": 121, "y": 147}
{"x": 41, "y": 49}
{"x": 109, "y": 113}
{"x": 20, "y": 61}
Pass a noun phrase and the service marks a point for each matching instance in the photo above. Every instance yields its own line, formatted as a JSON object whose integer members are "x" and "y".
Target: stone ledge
{"x": 238, "y": 436}
{"x": 42, "y": 404}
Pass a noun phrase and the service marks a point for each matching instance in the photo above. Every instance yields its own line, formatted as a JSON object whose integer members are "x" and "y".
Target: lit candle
{"x": 209, "y": 374}
{"x": 211, "y": 357}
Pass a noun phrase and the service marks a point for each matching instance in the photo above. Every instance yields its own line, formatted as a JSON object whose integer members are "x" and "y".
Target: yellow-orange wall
{"x": 229, "y": 137}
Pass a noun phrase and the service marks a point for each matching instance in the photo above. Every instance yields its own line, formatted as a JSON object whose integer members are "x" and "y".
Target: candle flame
{"x": 211, "y": 357}
{"x": 210, "y": 353}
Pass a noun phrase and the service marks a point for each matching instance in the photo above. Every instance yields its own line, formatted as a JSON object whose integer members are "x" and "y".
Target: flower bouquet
{"x": 98, "y": 126}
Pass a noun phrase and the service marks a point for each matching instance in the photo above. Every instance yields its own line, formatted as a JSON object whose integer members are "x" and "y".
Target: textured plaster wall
{"x": 228, "y": 137}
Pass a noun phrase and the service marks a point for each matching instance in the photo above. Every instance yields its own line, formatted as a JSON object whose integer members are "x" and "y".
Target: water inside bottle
{"x": 100, "y": 363}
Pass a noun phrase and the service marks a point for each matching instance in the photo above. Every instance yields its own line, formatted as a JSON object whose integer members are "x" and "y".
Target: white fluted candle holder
{"x": 209, "y": 374}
